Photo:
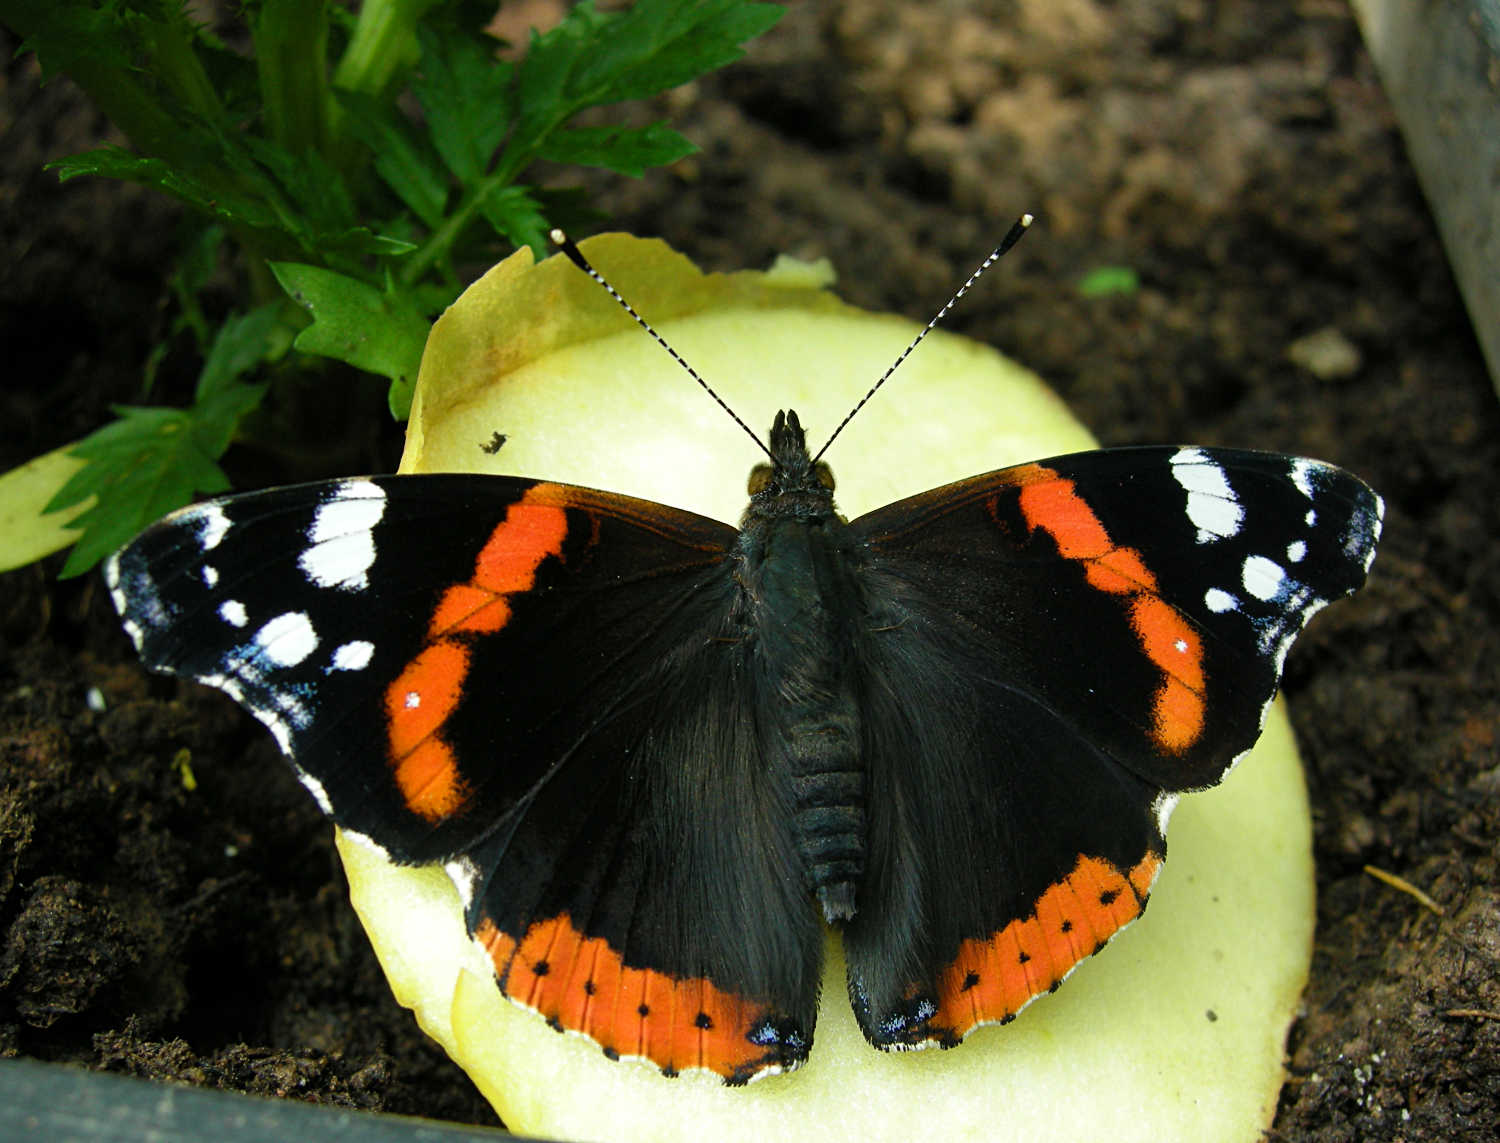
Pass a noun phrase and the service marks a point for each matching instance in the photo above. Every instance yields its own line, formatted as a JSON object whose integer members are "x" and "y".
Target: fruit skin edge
{"x": 1176, "y": 1031}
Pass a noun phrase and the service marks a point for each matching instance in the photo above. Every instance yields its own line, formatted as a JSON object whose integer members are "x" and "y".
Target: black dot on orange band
{"x": 1067, "y": 926}
{"x": 611, "y": 1054}
{"x": 541, "y": 968}
{"x": 1025, "y": 956}
{"x": 1108, "y": 896}
{"x": 970, "y": 981}
{"x": 643, "y": 1009}
{"x": 703, "y": 1020}
{"x": 669, "y": 1071}
{"x": 589, "y": 988}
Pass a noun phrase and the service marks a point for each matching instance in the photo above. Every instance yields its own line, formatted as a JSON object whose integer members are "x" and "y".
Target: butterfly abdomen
{"x": 792, "y": 573}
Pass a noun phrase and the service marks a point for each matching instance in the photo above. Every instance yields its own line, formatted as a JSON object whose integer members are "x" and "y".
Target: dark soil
{"x": 1239, "y": 156}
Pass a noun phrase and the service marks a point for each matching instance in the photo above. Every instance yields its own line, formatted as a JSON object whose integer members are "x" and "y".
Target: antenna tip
{"x": 560, "y": 238}
{"x": 1025, "y": 220}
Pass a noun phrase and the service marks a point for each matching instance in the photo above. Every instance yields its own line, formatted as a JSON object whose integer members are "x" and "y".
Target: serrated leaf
{"x": 625, "y": 149}
{"x": 466, "y": 95}
{"x": 404, "y": 160}
{"x": 215, "y": 200}
{"x": 241, "y": 343}
{"x": 140, "y": 468}
{"x": 691, "y": 41}
{"x": 378, "y": 331}
{"x": 517, "y": 217}
{"x": 546, "y": 99}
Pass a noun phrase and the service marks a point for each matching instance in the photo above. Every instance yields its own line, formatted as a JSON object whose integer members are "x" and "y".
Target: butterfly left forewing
{"x": 534, "y": 685}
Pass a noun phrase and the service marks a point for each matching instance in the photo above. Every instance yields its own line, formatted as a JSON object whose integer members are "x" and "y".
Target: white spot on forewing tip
{"x": 210, "y": 575}
{"x": 353, "y": 656}
{"x": 341, "y": 546}
{"x": 1211, "y": 503}
{"x": 213, "y": 525}
{"x": 232, "y": 612}
{"x": 1296, "y": 552}
{"x": 1301, "y": 474}
{"x": 1217, "y": 600}
{"x": 1262, "y": 577}
{"x": 287, "y": 639}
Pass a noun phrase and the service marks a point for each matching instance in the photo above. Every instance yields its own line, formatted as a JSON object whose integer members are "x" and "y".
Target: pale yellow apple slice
{"x": 1174, "y": 1032}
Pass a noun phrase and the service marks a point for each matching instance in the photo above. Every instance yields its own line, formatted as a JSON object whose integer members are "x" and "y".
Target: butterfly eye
{"x": 760, "y": 478}
{"x": 824, "y": 475}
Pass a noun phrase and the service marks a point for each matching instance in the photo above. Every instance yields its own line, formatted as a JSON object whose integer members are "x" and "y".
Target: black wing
{"x": 539, "y": 686}
{"x": 1054, "y": 652}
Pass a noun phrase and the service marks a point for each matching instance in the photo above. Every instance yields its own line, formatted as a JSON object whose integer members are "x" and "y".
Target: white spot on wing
{"x": 1165, "y": 804}
{"x": 212, "y": 525}
{"x": 232, "y": 612}
{"x": 1218, "y": 600}
{"x": 341, "y": 546}
{"x": 1296, "y": 552}
{"x": 353, "y": 656}
{"x": 1302, "y": 473}
{"x": 465, "y": 875}
{"x": 1211, "y": 503}
{"x": 1261, "y": 577}
{"x": 287, "y": 639}
{"x": 210, "y": 575}
{"x": 413, "y": 700}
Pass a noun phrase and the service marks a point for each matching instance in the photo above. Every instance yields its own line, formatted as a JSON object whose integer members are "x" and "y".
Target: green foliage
{"x": 306, "y": 157}
{"x": 1106, "y": 281}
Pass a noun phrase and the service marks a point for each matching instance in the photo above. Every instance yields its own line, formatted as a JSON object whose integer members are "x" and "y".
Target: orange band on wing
{"x": 425, "y": 695}
{"x": 581, "y": 984}
{"x": 994, "y": 977}
{"x": 1050, "y": 502}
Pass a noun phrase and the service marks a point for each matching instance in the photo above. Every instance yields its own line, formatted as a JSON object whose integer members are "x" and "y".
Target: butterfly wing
{"x": 1054, "y": 651}
{"x": 538, "y": 686}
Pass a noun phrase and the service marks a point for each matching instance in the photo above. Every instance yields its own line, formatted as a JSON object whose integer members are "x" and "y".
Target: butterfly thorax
{"x": 801, "y": 601}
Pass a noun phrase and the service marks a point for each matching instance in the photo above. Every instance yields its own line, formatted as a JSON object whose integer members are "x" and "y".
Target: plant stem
{"x": 291, "y": 54}
{"x": 384, "y": 42}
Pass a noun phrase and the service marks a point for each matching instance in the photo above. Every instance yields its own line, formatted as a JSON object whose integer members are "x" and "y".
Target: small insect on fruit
{"x": 657, "y": 753}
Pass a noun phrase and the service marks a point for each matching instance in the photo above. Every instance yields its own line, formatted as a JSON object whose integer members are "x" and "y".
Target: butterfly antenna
{"x": 1012, "y": 236}
{"x": 575, "y": 256}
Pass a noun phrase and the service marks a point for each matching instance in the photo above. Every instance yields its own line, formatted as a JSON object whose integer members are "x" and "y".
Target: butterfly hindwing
{"x": 1078, "y": 640}
{"x": 549, "y": 702}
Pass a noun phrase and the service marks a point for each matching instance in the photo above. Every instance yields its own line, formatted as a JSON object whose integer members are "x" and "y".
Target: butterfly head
{"x": 792, "y": 477}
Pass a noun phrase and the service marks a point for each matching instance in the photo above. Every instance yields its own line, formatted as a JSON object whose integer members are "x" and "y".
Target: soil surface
{"x": 170, "y": 905}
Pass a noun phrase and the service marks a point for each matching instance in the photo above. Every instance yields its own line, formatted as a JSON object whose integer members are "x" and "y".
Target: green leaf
{"x": 378, "y": 331}
{"x": 627, "y": 150}
{"x": 466, "y": 95}
{"x": 517, "y": 217}
{"x": 154, "y": 459}
{"x": 404, "y": 160}
{"x": 691, "y": 40}
{"x": 545, "y": 97}
{"x": 1107, "y": 280}
{"x": 140, "y": 467}
{"x": 242, "y": 343}
{"x": 214, "y": 199}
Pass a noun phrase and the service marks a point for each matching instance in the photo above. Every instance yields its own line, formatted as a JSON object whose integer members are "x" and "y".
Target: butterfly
{"x": 657, "y": 754}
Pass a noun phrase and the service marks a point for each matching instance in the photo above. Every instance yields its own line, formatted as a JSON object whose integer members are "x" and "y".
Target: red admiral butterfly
{"x": 655, "y": 753}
